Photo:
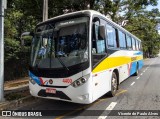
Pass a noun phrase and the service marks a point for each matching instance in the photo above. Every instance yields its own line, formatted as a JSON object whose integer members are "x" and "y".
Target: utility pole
{"x": 2, "y": 7}
{"x": 45, "y": 10}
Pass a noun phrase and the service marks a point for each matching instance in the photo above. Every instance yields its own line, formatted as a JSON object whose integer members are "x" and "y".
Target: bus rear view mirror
{"x": 101, "y": 33}
{"x": 27, "y": 34}
{"x": 96, "y": 19}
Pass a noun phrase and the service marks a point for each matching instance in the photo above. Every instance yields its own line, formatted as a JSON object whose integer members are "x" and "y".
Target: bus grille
{"x": 59, "y": 94}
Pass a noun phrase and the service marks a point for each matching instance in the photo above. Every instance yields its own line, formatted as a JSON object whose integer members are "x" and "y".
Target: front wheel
{"x": 114, "y": 85}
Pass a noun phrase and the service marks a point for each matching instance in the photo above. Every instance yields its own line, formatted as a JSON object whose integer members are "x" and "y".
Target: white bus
{"x": 80, "y": 56}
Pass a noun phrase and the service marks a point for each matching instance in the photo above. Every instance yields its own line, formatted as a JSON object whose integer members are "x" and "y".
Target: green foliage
{"x": 12, "y": 48}
{"x": 27, "y": 41}
{"x": 143, "y": 26}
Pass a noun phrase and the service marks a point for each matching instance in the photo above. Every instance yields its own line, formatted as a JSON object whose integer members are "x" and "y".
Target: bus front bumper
{"x": 77, "y": 95}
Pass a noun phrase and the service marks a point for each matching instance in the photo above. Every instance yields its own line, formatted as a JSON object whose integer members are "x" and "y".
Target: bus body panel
{"x": 101, "y": 83}
{"x": 82, "y": 94}
{"x": 124, "y": 61}
{"x": 43, "y": 81}
{"x": 98, "y": 77}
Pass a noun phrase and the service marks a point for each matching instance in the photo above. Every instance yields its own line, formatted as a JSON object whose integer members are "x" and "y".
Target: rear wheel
{"x": 136, "y": 73}
{"x": 114, "y": 85}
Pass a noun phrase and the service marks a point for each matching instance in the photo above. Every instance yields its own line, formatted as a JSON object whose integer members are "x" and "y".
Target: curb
{"x": 16, "y": 103}
{"x": 19, "y": 89}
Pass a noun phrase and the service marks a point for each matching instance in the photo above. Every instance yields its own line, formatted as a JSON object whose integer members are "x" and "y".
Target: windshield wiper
{"x": 62, "y": 63}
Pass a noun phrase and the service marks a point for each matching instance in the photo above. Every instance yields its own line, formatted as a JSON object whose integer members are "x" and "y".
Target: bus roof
{"x": 90, "y": 12}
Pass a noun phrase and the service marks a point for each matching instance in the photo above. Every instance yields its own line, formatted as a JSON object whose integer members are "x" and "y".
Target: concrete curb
{"x": 16, "y": 103}
{"x": 15, "y": 90}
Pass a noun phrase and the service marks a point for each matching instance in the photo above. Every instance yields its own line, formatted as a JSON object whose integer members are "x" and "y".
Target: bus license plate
{"x": 51, "y": 90}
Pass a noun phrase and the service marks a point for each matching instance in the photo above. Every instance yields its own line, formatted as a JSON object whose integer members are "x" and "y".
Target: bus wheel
{"x": 114, "y": 84}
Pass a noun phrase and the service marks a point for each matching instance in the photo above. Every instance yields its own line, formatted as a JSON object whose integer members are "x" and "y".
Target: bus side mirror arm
{"x": 25, "y": 34}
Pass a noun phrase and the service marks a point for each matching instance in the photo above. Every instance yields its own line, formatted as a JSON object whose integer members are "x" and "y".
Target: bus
{"x": 81, "y": 56}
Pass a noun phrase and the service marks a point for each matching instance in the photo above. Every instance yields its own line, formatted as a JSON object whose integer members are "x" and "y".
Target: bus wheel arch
{"x": 114, "y": 83}
{"x": 137, "y": 68}
{"x": 117, "y": 74}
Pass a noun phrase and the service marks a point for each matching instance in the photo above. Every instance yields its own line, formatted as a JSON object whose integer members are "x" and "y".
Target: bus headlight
{"x": 79, "y": 82}
{"x": 32, "y": 81}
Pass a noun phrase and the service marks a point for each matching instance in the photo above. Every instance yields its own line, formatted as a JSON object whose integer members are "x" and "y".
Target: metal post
{"x": 45, "y": 10}
{"x": 1, "y": 50}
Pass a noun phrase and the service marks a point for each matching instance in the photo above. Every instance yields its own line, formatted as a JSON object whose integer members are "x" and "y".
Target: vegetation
{"x": 23, "y": 15}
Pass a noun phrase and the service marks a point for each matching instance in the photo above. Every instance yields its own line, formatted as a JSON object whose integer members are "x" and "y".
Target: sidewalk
{"x": 16, "y": 85}
{"x": 16, "y": 93}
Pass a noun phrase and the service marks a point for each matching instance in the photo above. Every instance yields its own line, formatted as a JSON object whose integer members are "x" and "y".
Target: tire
{"x": 114, "y": 85}
{"x": 136, "y": 73}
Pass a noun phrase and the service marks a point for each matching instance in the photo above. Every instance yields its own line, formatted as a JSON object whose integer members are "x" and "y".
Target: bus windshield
{"x": 60, "y": 44}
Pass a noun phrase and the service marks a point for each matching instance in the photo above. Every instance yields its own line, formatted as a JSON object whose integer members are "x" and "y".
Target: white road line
{"x": 110, "y": 107}
{"x": 141, "y": 74}
{"x": 102, "y": 117}
{"x": 132, "y": 83}
{"x": 137, "y": 78}
{"x": 144, "y": 71}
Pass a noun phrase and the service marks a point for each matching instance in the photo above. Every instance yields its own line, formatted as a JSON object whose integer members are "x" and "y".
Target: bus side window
{"x": 122, "y": 39}
{"x": 140, "y": 46}
{"x": 137, "y": 44}
{"x": 98, "y": 41}
{"x": 129, "y": 42}
{"x": 111, "y": 36}
{"x": 133, "y": 44}
{"x": 94, "y": 37}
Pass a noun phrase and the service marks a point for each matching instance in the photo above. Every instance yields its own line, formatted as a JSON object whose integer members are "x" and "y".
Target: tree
{"x": 143, "y": 25}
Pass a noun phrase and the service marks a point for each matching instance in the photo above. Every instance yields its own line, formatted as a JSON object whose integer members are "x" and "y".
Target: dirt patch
{"x": 15, "y": 96}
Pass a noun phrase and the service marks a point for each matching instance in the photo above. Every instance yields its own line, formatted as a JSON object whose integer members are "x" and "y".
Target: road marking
{"x": 132, "y": 83}
{"x": 141, "y": 74}
{"x": 79, "y": 109}
{"x": 84, "y": 107}
{"x": 102, "y": 117}
{"x": 123, "y": 91}
{"x": 144, "y": 71}
{"x": 137, "y": 78}
{"x": 110, "y": 107}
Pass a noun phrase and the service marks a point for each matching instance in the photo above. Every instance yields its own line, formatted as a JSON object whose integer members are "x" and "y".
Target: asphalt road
{"x": 140, "y": 92}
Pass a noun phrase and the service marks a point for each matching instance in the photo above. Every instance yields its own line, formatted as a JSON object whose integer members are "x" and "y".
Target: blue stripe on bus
{"x": 134, "y": 66}
{"x": 139, "y": 53}
{"x": 140, "y": 62}
{"x": 35, "y": 78}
